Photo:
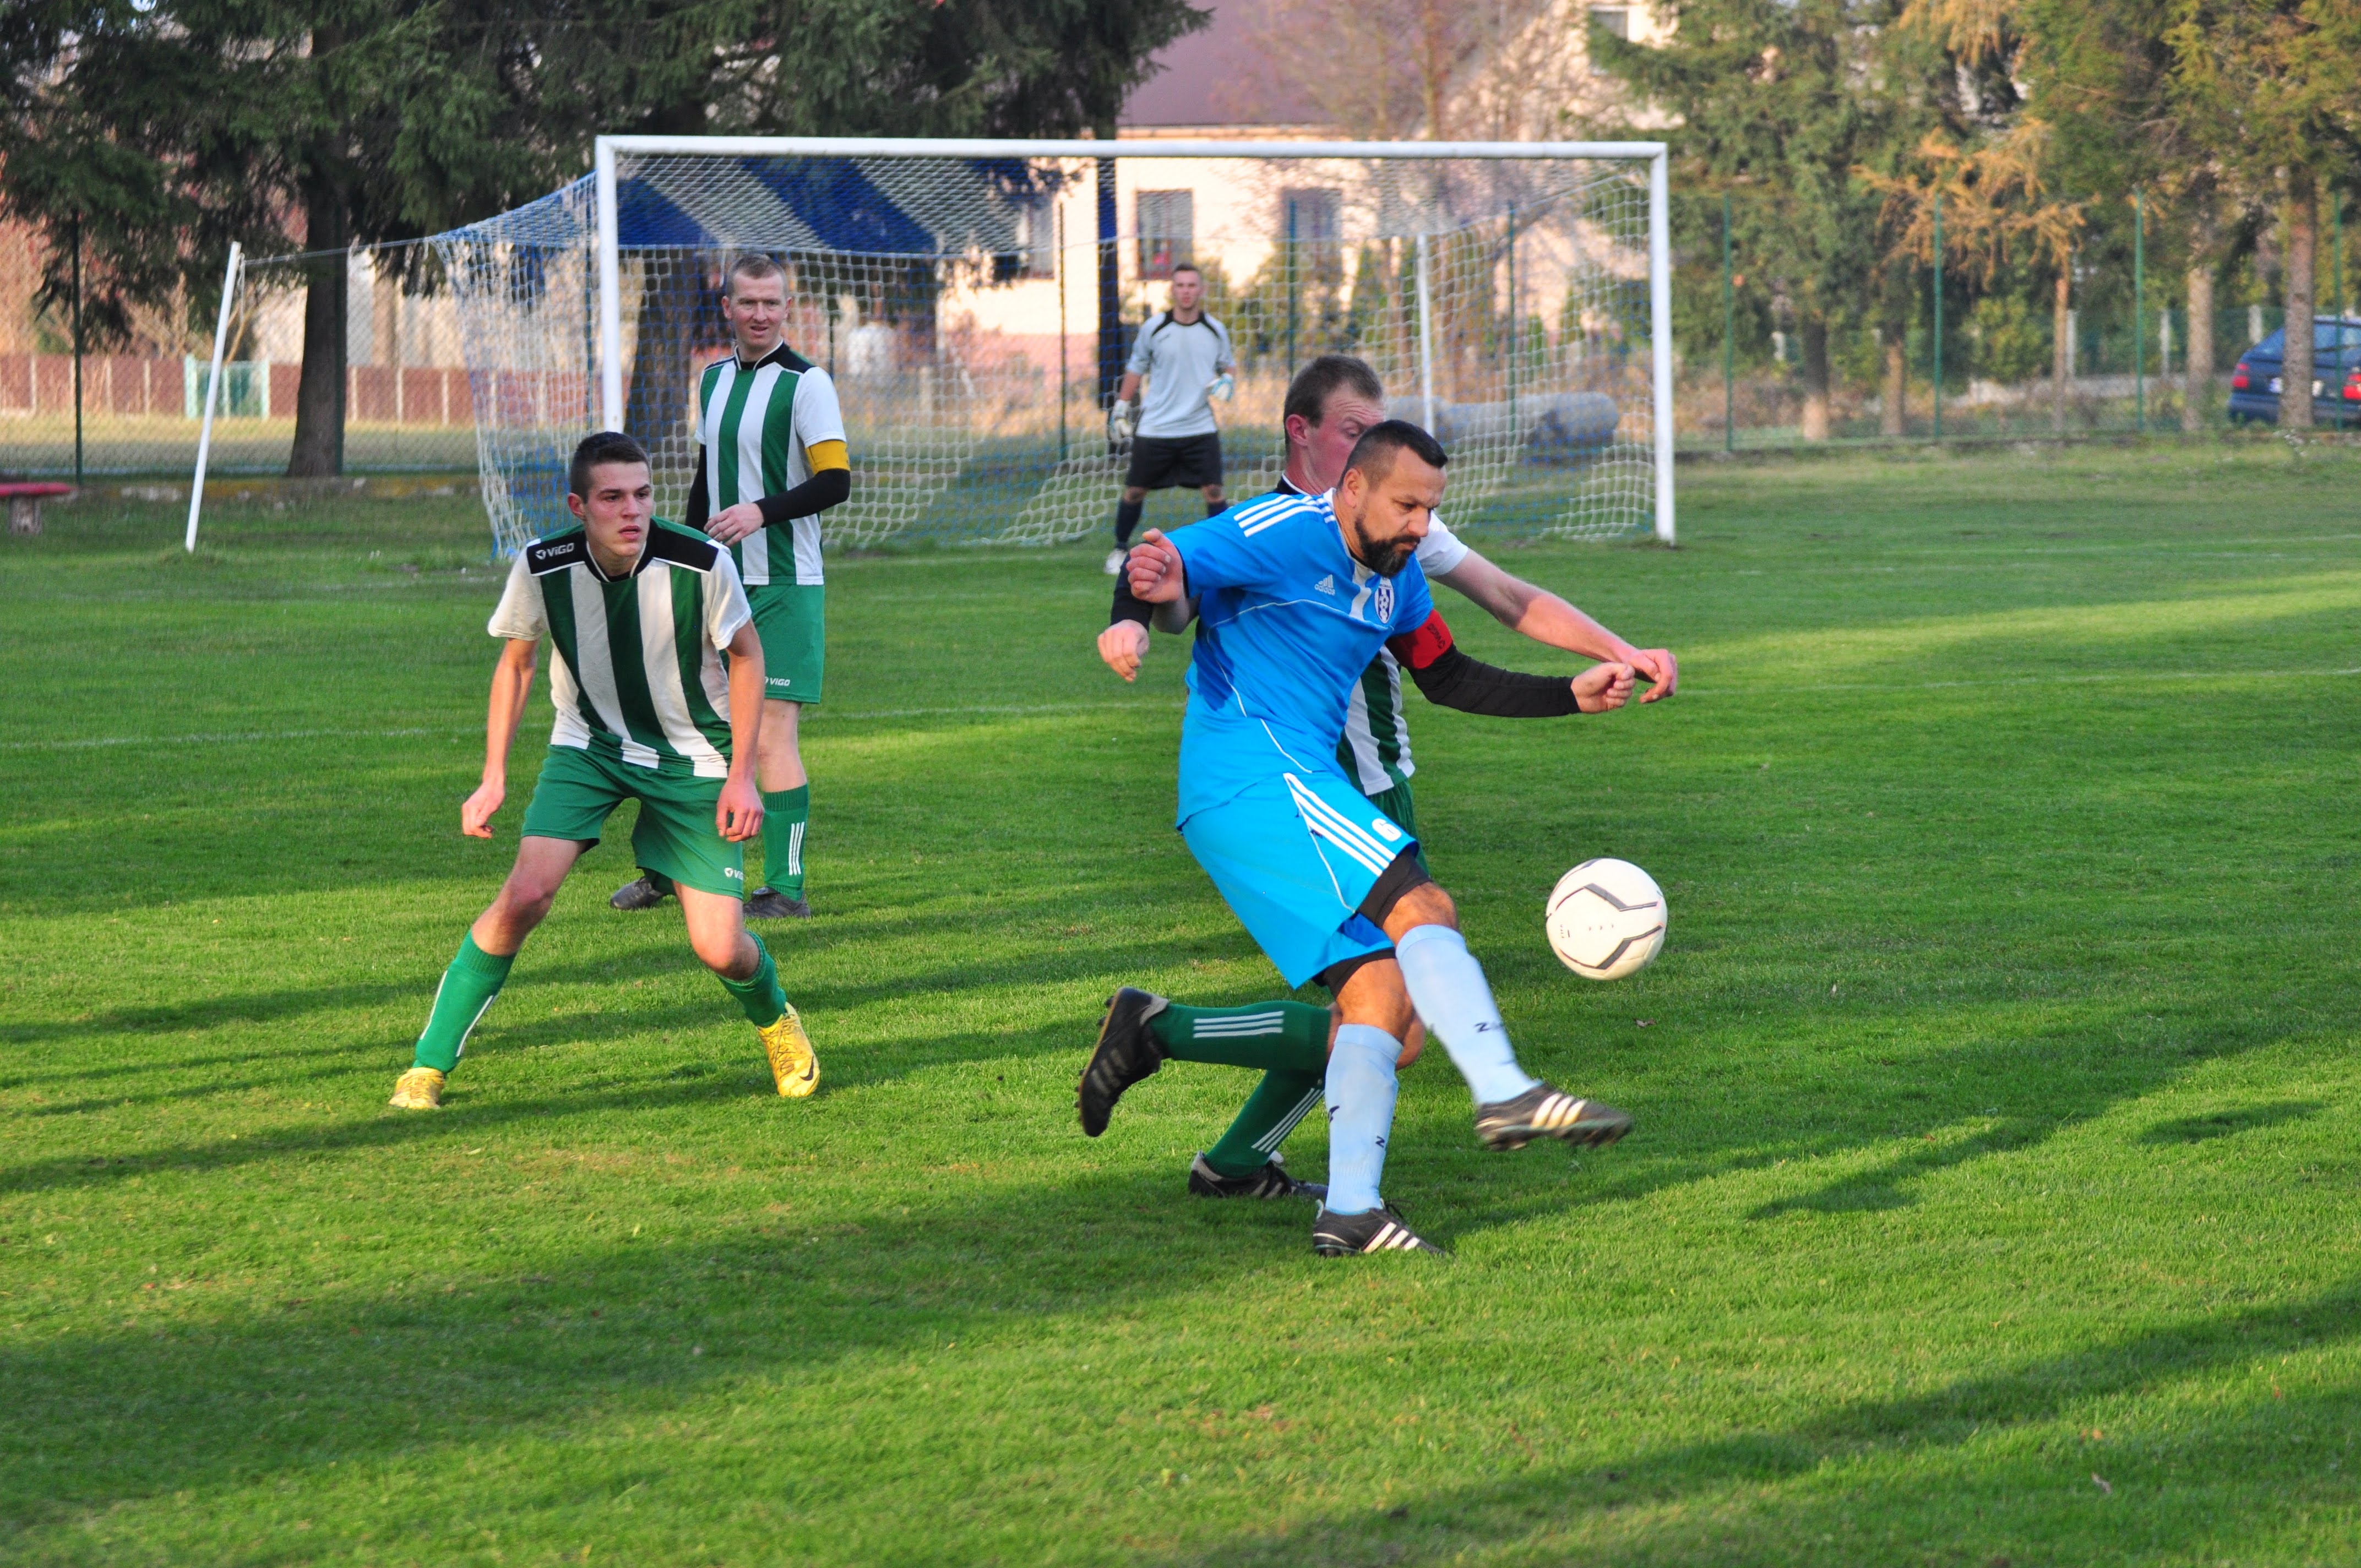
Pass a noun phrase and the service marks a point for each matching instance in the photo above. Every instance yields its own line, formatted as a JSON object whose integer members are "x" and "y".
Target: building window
{"x": 1167, "y": 222}
{"x": 1311, "y": 216}
{"x": 1036, "y": 253}
{"x": 1610, "y": 21}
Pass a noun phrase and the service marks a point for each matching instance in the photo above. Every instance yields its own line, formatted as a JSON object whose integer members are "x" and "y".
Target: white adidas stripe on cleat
{"x": 1542, "y": 1111}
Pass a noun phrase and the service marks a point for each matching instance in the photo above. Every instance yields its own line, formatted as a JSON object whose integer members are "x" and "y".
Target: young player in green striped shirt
{"x": 771, "y": 458}
{"x": 639, "y": 614}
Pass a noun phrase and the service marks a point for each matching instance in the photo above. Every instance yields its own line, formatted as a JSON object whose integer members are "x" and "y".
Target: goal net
{"x": 975, "y": 304}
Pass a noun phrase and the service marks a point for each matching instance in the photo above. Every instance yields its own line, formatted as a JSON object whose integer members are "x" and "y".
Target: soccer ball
{"x": 1606, "y": 919}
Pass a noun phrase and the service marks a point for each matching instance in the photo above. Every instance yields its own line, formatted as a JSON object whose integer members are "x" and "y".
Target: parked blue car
{"x": 2335, "y": 376}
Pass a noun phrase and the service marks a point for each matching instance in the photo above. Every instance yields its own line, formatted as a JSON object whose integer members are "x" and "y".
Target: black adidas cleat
{"x": 1270, "y": 1181}
{"x": 638, "y": 893}
{"x": 1354, "y": 1235}
{"x": 1541, "y": 1112}
{"x": 770, "y": 904}
{"x": 1125, "y": 1053}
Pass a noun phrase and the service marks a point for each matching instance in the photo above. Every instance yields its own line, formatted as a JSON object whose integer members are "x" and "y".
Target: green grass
{"x": 1997, "y": 1094}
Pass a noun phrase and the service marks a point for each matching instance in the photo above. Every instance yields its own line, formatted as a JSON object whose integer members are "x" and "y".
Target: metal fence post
{"x": 2139, "y": 309}
{"x": 77, "y": 347}
{"x": 1939, "y": 315}
{"x": 1729, "y": 339}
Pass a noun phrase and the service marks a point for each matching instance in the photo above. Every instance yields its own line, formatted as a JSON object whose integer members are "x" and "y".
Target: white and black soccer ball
{"x": 1606, "y": 919}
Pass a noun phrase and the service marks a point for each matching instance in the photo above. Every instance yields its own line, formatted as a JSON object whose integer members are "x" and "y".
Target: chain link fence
{"x": 1920, "y": 354}
{"x": 131, "y": 406}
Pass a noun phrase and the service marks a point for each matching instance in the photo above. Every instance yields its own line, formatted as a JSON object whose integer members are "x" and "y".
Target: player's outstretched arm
{"x": 738, "y": 816}
{"x": 1535, "y": 612}
{"x": 1449, "y": 678}
{"x": 512, "y": 685}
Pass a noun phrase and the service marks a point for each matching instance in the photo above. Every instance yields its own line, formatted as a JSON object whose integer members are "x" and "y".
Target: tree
{"x": 967, "y": 68}
{"x": 166, "y": 128}
{"x": 2269, "y": 86}
{"x": 1784, "y": 103}
{"x": 1993, "y": 207}
{"x": 2102, "y": 74}
{"x": 1377, "y": 70}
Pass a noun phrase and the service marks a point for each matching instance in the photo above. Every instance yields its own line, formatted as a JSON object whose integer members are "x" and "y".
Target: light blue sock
{"x": 1360, "y": 1115}
{"x": 1446, "y": 985}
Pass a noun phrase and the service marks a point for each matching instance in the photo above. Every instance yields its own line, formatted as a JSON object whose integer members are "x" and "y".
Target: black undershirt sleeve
{"x": 699, "y": 506}
{"x": 1454, "y": 680}
{"x": 1128, "y": 606}
{"x": 829, "y": 486}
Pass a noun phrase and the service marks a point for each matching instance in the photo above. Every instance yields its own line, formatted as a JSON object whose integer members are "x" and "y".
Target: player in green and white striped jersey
{"x": 639, "y": 614}
{"x": 771, "y": 458}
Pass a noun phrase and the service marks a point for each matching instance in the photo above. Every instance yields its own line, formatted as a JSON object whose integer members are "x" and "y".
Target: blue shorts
{"x": 1295, "y": 856}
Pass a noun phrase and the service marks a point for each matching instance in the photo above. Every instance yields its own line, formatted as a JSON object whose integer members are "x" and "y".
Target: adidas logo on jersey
{"x": 1327, "y": 585}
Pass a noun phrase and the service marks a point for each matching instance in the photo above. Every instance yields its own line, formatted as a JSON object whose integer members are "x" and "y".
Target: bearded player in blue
{"x": 1298, "y": 594}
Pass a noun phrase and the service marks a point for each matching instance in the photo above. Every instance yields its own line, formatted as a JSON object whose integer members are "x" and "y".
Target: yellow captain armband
{"x": 827, "y": 454}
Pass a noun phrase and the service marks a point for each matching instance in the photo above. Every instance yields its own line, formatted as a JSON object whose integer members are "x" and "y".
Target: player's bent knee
{"x": 731, "y": 959}
{"x": 526, "y": 899}
{"x": 1425, "y": 904}
{"x": 1414, "y": 1041}
{"x": 1369, "y": 990}
{"x": 1404, "y": 895}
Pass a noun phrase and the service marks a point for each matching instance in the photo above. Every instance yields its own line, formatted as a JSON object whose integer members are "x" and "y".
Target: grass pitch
{"x": 1994, "y": 1195}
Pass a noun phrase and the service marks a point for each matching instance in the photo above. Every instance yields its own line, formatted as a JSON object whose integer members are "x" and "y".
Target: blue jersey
{"x": 1287, "y": 621}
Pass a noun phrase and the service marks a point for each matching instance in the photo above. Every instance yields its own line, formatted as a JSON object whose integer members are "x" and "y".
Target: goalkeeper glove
{"x": 1122, "y": 420}
{"x": 1220, "y": 388}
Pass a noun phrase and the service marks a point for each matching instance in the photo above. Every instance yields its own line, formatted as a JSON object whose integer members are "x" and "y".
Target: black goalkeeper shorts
{"x": 1167, "y": 462}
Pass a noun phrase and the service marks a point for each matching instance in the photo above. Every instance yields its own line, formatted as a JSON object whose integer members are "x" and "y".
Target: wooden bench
{"x": 25, "y": 499}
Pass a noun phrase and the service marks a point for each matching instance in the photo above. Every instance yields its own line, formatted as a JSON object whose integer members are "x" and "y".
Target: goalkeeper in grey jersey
{"x": 1185, "y": 357}
{"x": 1330, "y": 403}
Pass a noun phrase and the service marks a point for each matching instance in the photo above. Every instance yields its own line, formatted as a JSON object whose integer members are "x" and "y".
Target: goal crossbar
{"x": 609, "y": 149}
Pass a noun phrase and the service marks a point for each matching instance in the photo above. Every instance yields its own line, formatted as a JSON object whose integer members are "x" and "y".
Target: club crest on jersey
{"x": 1385, "y": 599}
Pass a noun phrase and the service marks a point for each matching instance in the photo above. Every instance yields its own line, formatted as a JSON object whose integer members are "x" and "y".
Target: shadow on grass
{"x": 1057, "y": 961}
{"x": 599, "y": 1334}
{"x": 2222, "y": 1123}
{"x": 1881, "y": 1186}
{"x": 1831, "y": 1478}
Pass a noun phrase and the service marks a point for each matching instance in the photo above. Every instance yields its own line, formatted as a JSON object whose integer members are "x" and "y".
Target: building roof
{"x": 1211, "y": 78}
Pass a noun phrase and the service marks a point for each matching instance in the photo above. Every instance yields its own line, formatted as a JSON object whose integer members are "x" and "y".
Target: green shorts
{"x": 579, "y": 788}
{"x": 791, "y": 621}
{"x": 1396, "y": 802}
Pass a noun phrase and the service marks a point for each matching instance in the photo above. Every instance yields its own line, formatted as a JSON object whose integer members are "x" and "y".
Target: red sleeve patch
{"x": 1422, "y": 647}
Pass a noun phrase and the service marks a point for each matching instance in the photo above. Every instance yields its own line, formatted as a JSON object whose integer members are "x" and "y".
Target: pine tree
{"x": 1783, "y": 104}
{"x": 166, "y": 128}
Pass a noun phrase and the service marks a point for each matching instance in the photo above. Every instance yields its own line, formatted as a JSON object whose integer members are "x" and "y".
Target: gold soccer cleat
{"x": 420, "y": 1089}
{"x": 791, "y": 1061}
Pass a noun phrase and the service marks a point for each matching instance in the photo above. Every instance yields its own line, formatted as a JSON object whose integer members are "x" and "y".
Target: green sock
{"x": 1284, "y": 1097}
{"x": 468, "y": 986}
{"x": 1292, "y": 1034}
{"x": 658, "y": 881}
{"x": 785, "y": 813}
{"x": 759, "y": 992}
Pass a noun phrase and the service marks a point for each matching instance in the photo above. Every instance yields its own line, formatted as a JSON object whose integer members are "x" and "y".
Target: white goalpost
{"x": 974, "y": 302}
